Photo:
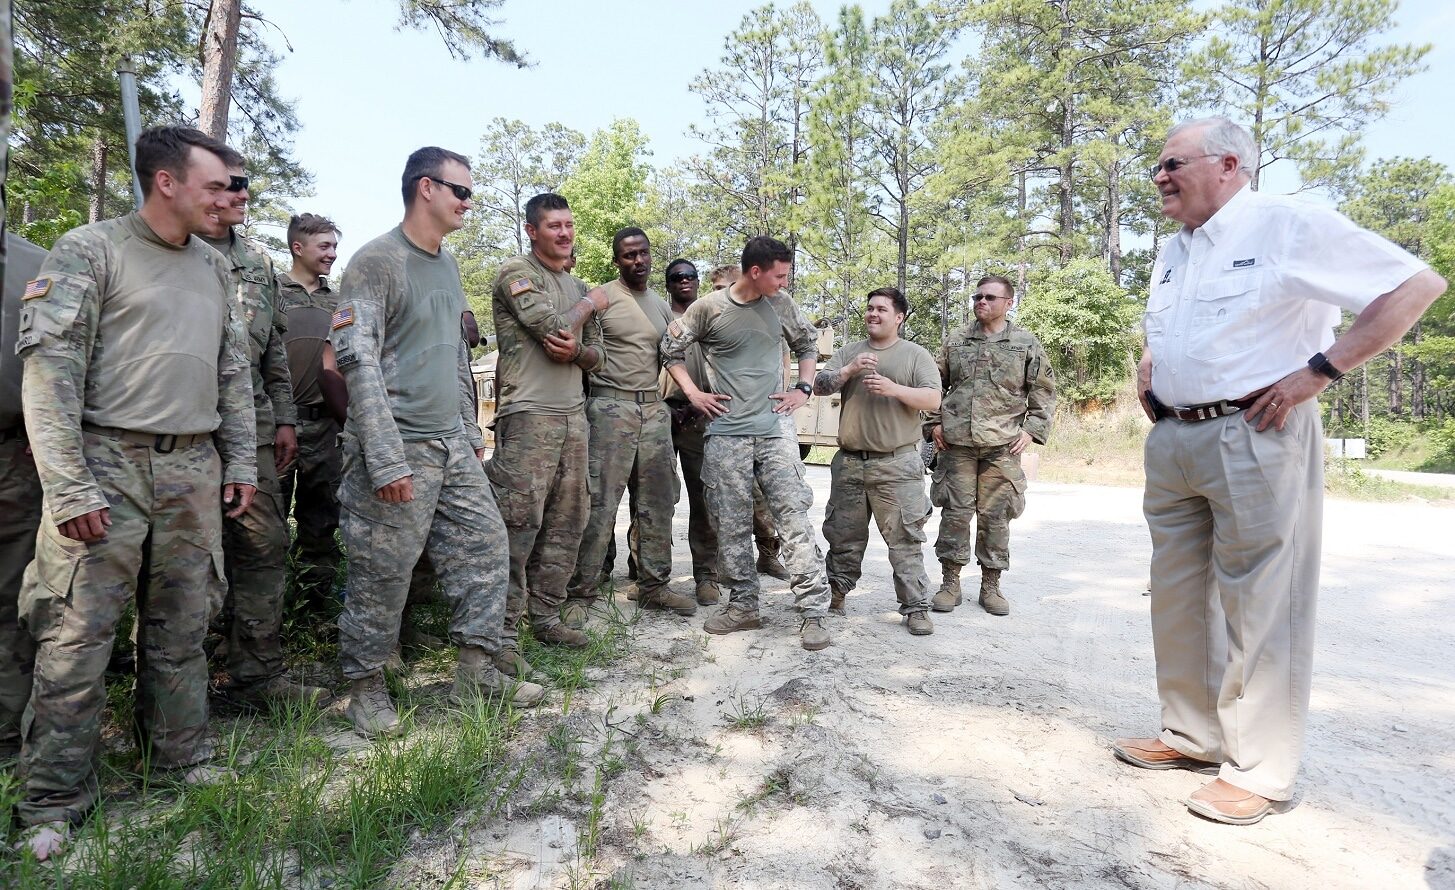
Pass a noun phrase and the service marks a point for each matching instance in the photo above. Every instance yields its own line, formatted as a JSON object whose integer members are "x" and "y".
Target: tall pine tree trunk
{"x": 99, "y": 149}
{"x": 1114, "y": 218}
{"x": 1022, "y": 263}
{"x": 219, "y": 59}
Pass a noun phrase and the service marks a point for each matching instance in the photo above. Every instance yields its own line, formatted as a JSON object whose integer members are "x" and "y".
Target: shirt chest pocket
{"x": 1224, "y": 316}
{"x": 1008, "y": 366}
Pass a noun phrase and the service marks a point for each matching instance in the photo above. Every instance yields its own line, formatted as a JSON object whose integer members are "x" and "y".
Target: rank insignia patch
{"x": 519, "y": 286}
{"x": 343, "y": 317}
{"x": 37, "y": 289}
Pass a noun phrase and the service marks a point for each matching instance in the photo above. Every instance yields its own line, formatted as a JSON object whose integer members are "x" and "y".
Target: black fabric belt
{"x": 311, "y": 412}
{"x": 163, "y": 443}
{"x": 1207, "y": 410}
{"x": 640, "y": 396}
{"x": 877, "y": 455}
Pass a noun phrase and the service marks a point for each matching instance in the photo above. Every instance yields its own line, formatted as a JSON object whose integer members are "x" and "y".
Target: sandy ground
{"x": 977, "y": 757}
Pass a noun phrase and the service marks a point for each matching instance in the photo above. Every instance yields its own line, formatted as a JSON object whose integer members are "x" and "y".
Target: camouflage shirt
{"x": 531, "y": 300}
{"x": 123, "y": 329}
{"x": 743, "y": 343}
{"x": 308, "y": 317}
{"x": 396, "y": 335}
{"x": 255, "y": 287}
{"x": 996, "y": 385}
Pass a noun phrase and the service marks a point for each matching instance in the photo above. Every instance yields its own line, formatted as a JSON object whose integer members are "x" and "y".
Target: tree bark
{"x": 1114, "y": 217}
{"x": 219, "y": 60}
{"x": 99, "y": 149}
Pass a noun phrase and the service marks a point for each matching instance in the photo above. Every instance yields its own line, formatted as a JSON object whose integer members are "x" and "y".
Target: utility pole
{"x": 131, "y": 116}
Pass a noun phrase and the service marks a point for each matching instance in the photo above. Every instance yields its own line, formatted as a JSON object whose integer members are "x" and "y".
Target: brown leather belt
{"x": 1208, "y": 410}
{"x": 162, "y": 443}
{"x": 878, "y": 455}
{"x": 640, "y": 396}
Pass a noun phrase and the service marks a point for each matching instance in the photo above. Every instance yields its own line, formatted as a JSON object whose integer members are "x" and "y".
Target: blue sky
{"x": 368, "y": 95}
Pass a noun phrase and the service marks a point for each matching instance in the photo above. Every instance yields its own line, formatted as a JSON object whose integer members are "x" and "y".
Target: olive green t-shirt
{"x": 869, "y": 422}
{"x": 631, "y": 329}
{"x": 696, "y": 369}
{"x": 743, "y": 343}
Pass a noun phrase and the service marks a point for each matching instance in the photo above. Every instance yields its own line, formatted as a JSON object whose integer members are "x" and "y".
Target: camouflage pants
{"x": 628, "y": 443}
{"x": 313, "y": 480}
{"x": 256, "y": 546}
{"x": 20, "y": 497}
{"x": 453, "y": 518}
{"x": 538, "y": 473}
{"x": 165, "y": 515}
{"x": 985, "y": 485}
{"x": 892, "y": 491}
{"x": 689, "y": 441}
{"x": 772, "y": 462}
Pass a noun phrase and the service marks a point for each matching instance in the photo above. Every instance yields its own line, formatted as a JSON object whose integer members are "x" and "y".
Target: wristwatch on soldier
{"x": 803, "y": 387}
{"x": 1322, "y": 365}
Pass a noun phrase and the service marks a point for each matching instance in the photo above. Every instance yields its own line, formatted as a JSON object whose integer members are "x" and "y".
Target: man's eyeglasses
{"x": 1171, "y": 165}
{"x": 682, "y": 276}
{"x": 237, "y": 184}
{"x": 462, "y": 193}
{"x": 985, "y": 298}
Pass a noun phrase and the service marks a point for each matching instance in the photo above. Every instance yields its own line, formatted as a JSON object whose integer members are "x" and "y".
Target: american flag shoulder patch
{"x": 37, "y": 289}
{"x": 343, "y": 317}
{"x": 520, "y": 286}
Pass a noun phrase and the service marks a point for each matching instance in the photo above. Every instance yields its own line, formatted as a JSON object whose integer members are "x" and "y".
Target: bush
{"x": 1088, "y": 325}
{"x": 1442, "y": 448}
{"x": 1388, "y": 436}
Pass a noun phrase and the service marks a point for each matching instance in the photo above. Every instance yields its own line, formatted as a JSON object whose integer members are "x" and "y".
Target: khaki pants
{"x": 891, "y": 491}
{"x": 1236, "y": 519}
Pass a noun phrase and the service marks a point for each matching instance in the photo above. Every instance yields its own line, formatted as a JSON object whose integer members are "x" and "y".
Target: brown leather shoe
{"x": 1229, "y": 804}
{"x": 1154, "y": 754}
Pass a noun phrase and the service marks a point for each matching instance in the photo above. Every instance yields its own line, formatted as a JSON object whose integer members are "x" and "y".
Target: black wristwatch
{"x": 805, "y": 388}
{"x": 1322, "y": 365}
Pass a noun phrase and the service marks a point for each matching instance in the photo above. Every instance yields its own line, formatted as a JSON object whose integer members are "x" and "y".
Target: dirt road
{"x": 977, "y": 757}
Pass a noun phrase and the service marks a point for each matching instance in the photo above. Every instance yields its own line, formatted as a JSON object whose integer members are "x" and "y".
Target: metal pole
{"x": 131, "y": 116}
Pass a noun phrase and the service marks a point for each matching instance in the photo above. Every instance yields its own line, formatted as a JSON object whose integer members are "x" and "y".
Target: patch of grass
{"x": 774, "y": 783}
{"x": 723, "y": 835}
{"x": 1102, "y": 447}
{"x": 746, "y": 713}
{"x": 1344, "y": 478}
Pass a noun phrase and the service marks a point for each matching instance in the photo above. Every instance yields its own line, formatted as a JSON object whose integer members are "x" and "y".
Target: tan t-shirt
{"x": 631, "y": 328}
{"x": 868, "y": 422}
{"x": 530, "y": 301}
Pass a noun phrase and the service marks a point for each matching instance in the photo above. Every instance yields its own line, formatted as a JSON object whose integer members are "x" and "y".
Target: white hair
{"x": 1223, "y": 137}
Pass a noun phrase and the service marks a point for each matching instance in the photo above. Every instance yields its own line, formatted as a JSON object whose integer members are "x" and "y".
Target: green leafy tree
{"x": 1088, "y": 325}
{"x": 1307, "y": 76}
{"x": 607, "y": 193}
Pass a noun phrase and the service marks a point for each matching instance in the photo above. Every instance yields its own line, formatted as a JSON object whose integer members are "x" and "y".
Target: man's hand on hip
{"x": 1273, "y": 407}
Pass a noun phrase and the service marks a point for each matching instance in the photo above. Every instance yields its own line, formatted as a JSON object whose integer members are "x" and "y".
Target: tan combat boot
{"x": 815, "y": 635}
{"x": 771, "y": 564}
{"x": 665, "y": 600}
{"x": 836, "y": 600}
{"x": 370, "y": 708}
{"x": 732, "y": 618}
{"x": 511, "y": 663}
{"x": 285, "y": 690}
{"x": 919, "y": 623}
{"x": 574, "y": 614}
{"x": 707, "y": 593}
{"x": 476, "y": 675}
{"x": 948, "y": 596}
{"x": 991, "y": 598}
{"x": 561, "y": 635}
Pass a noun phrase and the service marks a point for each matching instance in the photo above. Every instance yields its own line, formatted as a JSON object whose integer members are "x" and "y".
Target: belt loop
{"x": 170, "y": 445}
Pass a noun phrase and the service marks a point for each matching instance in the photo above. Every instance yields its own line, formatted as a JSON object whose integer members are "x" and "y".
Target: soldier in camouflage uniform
{"x": 412, "y": 476}
{"x": 999, "y": 397}
{"x": 135, "y": 364}
{"x": 548, "y": 333}
{"x": 631, "y": 434}
{"x": 750, "y": 438}
{"x": 256, "y": 543}
{"x": 886, "y": 381}
{"x": 20, "y": 501}
{"x": 310, "y": 485}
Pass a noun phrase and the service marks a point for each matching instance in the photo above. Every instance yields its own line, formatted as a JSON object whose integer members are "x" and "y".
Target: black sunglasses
{"x": 461, "y": 192}
{"x": 682, "y": 276}
{"x": 987, "y": 298}
{"x": 1172, "y": 165}
{"x": 237, "y": 184}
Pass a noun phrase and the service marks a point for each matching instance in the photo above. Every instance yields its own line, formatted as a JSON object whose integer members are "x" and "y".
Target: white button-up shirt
{"x": 1248, "y": 297}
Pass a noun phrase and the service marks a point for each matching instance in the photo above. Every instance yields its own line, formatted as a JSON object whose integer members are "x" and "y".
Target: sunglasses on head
{"x": 237, "y": 184}
{"x": 682, "y": 276}
{"x": 462, "y": 193}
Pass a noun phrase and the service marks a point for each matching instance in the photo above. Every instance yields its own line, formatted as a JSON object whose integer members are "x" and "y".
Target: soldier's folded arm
{"x": 237, "y": 433}
{"x": 55, "y": 337}
{"x": 520, "y": 290}
{"x": 1041, "y": 396}
{"x": 357, "y": 336}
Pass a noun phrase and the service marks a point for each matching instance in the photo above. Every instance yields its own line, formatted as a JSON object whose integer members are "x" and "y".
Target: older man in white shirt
{"x": 1240, "y": 343}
